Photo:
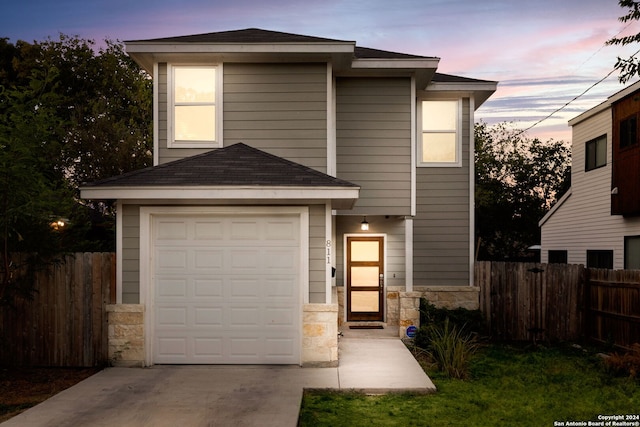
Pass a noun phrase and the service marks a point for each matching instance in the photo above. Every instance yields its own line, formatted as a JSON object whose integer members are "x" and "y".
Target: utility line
{"x": 586, "y": 90}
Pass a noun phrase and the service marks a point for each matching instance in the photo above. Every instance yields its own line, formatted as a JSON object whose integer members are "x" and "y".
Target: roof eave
{"x": 481, "y": 90}
{"x": 147, "y": 53}
{"x": 339, "y": 197}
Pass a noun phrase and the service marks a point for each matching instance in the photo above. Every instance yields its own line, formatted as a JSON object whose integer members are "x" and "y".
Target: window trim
{"x": 171, "y": 141}
{"x": 586, "y": 153}
{"x": 458, "y": 136}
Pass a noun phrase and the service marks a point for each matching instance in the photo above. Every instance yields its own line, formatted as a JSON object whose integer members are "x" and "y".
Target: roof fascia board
{"x": 554, "y": 208}
{"x": 164, "y": 47}
{"x": 605, "y": 104}
{"x": 403, "y": 64}
{"x": 479, "y": 90}
{"x": 222, "y": 192}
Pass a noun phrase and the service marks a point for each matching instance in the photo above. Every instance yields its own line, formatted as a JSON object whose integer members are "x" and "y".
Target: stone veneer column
{"x": 320, "y": 335}
{"x": 126, "y": 334}
{"x": 409, "y": 310}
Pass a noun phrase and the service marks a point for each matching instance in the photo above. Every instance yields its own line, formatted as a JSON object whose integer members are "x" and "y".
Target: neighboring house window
{"x": 632, "y": 252}
{"x": 629, "y": 131}
{"x": 599, "y": 259}
{"x": 440, "y": 145}
{"x": 596, "y": 153}
{"x": 557, "y": 257}
{"x": 194, "y": 113}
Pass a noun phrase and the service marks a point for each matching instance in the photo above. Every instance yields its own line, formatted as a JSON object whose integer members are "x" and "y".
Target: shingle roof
{"x": 249, "y": 35}
{"x": 257, "y": 35}
{"x": 235, "y": 165}
{"x": 448, "y": 78}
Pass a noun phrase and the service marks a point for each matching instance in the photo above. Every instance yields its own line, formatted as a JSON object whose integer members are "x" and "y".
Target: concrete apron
{"x": 226, "y": 395}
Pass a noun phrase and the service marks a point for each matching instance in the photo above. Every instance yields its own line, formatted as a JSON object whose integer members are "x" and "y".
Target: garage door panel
{"x": 172, "y": 316}
{"x": 170, "y": 230}
{"x": 281, "y": 231}
{"x": 208, "y": 288}
{"x": 244, "y": 230}
{"x": 205, "y": 230}
{"x": 208, "y": 260}
{"x": 208, "y": 316}
{"x": 171, "y": 287}
{"x": 208, "y": 347}
{"x": 168, "y": 260}
{"x": 226, "y": 290}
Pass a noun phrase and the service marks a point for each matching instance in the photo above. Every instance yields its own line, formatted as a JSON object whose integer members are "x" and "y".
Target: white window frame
{"x": 171, "y": 141}
{"x": 458, "y": 136}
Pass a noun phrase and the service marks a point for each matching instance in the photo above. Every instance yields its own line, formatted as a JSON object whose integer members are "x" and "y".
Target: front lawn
{"x": 510, "y": 386}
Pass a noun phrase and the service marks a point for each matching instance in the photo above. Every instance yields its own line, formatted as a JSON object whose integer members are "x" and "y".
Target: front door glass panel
{"x": 365, "y": 278}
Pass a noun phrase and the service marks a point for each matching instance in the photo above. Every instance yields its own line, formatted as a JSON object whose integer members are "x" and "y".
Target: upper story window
{"x": 194, "y": 106}
{"x": 629, "y": 131}
{"x": 441, "y": 141}
{"x": 595, "y": 153}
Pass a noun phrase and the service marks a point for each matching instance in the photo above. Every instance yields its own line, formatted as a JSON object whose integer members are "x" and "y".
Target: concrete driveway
{"x": 224, "y": 395}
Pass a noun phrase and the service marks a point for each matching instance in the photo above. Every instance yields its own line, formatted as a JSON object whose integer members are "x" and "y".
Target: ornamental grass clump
{"x": 451, "y": 348}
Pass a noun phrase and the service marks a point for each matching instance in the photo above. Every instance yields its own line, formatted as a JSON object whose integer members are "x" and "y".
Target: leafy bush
{"x": 451, "y": 349}
{"x": 627, "y": 364}
{"x": 471, "y": 320}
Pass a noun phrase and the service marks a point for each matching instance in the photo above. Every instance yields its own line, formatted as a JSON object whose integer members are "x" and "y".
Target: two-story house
{"x": 597, "y": 222}
{"x": 298, "y": 182}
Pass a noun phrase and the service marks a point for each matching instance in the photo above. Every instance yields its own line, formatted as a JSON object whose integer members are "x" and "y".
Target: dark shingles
{"x": 368, "y": 53}
{"x": 235, "y": 165}
{"x": 249, "y": 35}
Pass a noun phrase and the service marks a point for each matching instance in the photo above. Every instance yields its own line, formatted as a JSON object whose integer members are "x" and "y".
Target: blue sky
{"x": 543, "y": 53}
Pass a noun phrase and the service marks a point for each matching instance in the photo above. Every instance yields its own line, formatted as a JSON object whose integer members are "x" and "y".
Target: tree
{"x": 517, "y": 180}
{"x": 68, "y": 114}
{"x": 628, "y": 67}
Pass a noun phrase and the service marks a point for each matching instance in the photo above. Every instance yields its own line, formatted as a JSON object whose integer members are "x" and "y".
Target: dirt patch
{"x": 22, "y": 388}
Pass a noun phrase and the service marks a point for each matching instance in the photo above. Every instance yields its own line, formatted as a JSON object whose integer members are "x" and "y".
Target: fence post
{"x": 586, "y": 310}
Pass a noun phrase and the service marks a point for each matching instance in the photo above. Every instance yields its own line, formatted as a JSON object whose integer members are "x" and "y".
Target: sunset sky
{"x": 543, "y": 53}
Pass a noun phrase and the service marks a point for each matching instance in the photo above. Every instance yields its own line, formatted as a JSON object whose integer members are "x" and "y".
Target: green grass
{"x": 508, "y": 387}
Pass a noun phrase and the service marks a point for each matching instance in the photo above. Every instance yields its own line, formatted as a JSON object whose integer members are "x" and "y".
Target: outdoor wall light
{"x": 364, "y": 225}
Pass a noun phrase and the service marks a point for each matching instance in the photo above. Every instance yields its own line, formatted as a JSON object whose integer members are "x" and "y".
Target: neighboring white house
{"x": 597, "y": 222}
{"x": 298, "y": 182}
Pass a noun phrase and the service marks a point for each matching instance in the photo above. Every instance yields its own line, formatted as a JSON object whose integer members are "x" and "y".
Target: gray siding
{"x": 131, "y": 254}
{"x": 373, "y": 142}
{"x": 441, "y": 226}
{"x": 317, "y": 259}
{"x": 278, "y": 108}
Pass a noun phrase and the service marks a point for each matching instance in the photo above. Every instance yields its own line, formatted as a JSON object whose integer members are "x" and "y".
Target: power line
{"x": 574, "y": 99}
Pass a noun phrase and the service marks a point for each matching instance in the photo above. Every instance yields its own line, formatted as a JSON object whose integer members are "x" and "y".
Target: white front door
{"x": 226, "y": 288}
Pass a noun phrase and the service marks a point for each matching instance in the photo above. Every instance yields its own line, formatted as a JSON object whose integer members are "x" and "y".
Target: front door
{"x": 365, "y": 278}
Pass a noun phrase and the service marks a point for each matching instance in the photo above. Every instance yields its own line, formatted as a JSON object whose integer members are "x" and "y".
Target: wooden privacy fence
{"x": 65, "y": 322}
{"x": 559, "y": 302}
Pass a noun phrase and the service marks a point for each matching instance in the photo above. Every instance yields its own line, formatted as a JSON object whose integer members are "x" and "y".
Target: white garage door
{"x": 226, "y": 289}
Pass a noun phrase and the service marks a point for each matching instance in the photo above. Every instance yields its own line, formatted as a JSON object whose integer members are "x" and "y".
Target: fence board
{"x": 559, "y": 302}
{"x": 64, "y": 323}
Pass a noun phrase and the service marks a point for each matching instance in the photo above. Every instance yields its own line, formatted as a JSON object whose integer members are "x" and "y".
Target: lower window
{"x": 600, "y": 259}
{"x": 557, "y": 257}
{"x": 632, "y": 252}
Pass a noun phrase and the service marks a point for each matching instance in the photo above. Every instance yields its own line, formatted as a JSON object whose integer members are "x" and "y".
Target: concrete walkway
{"x": 227, "y": 395}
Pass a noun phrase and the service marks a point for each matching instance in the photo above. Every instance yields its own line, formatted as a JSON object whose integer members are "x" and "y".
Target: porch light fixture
{"x": 364, "y": 225}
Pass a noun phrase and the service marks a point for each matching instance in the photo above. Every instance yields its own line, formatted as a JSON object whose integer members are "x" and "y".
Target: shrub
{"x": 471, "y": 320}
{"x": 451, "y": 349}
{"x": 627, "y": 364}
